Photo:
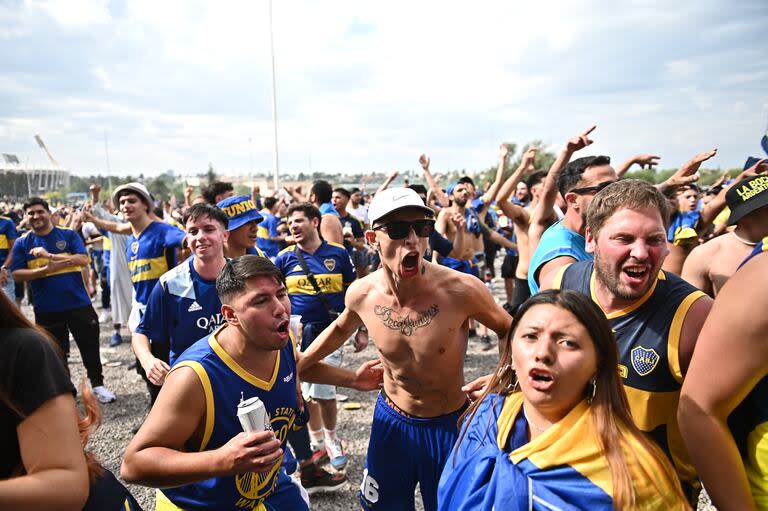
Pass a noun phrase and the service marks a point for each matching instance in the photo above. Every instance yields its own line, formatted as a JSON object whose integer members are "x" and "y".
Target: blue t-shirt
{"x": 183, "y": 308}
{"x": 268, "y": 229}
{"x": 557, "y": 241}
{"x": 8, "y": 233}
{"x": 328, "y": 209}
{"x": 333, "y": 271}
{"x": 150, "y": 254}
{"x": 682, "y": 227}
{"x": 62, "y": 290}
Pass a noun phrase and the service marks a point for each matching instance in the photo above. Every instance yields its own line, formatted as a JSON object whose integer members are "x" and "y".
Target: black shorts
{"x": 509, "y": 266}
{"x": 521, "y": 292}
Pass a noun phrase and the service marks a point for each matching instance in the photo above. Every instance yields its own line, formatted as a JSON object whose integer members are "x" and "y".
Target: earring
{"x": 503, "y": 370}
{"x": 591, "y": 396}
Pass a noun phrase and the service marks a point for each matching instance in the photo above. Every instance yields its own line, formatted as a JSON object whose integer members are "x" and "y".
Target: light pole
{"x": 274, "y": 99}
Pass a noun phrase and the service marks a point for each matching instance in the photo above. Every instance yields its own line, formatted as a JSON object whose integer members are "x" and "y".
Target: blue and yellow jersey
{"x": 224, "y": 381}
{"x": 150, "y": 254}
{"x": 8, "y": 233}
{"x": 495, "y": 466}
{"x": 682, "y": 227}
{"x": 255, "y": 251}
{"x": 648, "y": 337}
{"x": 61, "y": 290}
{"x": 333, "y": 271}
{"x": 749, "y": 425}
{"x": 183, "y": 308}
{"x": 268, "y": 229}
{"x": 557, "y": 241}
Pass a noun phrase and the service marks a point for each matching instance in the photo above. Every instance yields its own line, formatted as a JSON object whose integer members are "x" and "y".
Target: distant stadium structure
{"x": 23, "y": 180}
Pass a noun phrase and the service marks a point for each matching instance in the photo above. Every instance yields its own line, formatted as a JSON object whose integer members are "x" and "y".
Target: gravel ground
{"x": 121, "y": 416}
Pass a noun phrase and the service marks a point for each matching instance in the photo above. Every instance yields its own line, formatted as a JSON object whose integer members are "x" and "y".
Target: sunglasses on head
{"x": 398, "y": 230}
{"x": 592, "y": 189}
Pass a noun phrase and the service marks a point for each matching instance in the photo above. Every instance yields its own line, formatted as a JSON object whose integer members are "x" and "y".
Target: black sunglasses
{"x": 592, "y": 189}
{"x": 399, "y": 230}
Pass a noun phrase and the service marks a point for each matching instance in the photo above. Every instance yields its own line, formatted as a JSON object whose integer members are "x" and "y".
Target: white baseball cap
{"x": 394, "y": 199}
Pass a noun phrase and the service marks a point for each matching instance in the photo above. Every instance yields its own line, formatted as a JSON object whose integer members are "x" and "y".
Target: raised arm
{"x": 438, "y": 192}
{"x": 388, "y": 181}
{"x": 640, "y": 159}
{"x": 549, "y": 192}
{"x": 526, "y": 165}
{"x": 490, "y": 195}
{"x": 688, "y": 173}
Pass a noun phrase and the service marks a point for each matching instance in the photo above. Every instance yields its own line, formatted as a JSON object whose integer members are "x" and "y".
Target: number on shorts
{"x": 369, "y": 488}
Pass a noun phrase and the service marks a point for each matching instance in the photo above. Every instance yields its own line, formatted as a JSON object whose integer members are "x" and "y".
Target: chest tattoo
{"x": 405, "y": 323}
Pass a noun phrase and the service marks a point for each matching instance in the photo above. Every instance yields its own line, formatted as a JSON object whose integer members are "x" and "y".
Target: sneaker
{"x": 336, "y": 454}
{"x": 105, "y": 316}
{"x": 315, "y": 480}
{"x": 320, "y": 457}
{"x": 116, "y": 340}
{"x": 485, "y": 343}
{"x": 103, "y": 394}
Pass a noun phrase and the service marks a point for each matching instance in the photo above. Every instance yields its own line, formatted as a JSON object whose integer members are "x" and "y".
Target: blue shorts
{"x": 404, "y": 451}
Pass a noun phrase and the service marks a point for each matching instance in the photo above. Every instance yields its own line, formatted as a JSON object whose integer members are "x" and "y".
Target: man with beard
{"x": 418, "y": 315}
{"x": 655, "y": 315}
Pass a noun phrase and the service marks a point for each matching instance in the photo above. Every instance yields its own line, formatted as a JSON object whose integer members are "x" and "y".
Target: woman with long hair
{"x": 553, "y": 429}
{"x": 42, "y": 437}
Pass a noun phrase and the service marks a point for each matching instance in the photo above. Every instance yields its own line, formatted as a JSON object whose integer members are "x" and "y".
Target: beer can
{"x": 253, "y": 415}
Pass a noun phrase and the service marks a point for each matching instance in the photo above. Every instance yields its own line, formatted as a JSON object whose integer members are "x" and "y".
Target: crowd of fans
{"x": 226, "y": 297}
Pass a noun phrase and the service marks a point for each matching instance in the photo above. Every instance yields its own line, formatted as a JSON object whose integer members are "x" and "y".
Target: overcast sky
{"x": 368, "y": 86}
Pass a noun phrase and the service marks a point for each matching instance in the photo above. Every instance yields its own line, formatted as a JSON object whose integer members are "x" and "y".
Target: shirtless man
{"x": 417, "y": 314}
{"x": 710, "y": 265}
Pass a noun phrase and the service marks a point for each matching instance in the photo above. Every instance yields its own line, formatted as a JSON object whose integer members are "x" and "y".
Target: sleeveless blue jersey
{"x": 224, "y": 380}
{"x": 333, "y": 271}
{"x": 647, "y": 337}
{"x": 557, "y": 241}
{"x": 183, "y": 307}
{"x": 150, "y": 254}
{"x": 63, "y": 289}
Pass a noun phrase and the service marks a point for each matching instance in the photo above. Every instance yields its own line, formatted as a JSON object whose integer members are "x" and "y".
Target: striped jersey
{"x": 8, "y": 233}
{"x": 333, "y": 271}
{"x": 150, "y": 254}
{"x": 63, "y": 289}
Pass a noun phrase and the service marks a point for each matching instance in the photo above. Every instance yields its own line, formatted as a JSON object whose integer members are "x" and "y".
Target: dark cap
{"x": 746, "y": 196}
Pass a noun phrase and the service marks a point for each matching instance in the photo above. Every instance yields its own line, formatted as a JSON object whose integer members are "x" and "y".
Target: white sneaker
{"x": 105, "y": 316}
{"x": 336, "y": 454}
{"x": 103, "y": 394}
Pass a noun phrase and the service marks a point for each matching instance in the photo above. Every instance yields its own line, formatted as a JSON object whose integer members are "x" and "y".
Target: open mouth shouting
{"x": 636, "y": 274}
{"x": 282, "y": 329}
{"x": 541, "y": 379}
{"x": 410, "y": 264}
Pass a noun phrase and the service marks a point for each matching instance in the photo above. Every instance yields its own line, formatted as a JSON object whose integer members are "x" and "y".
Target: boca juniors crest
{"x": 61, "y": 244}
{"x": 644, "y": 360}
{"x": 330, "y": 264}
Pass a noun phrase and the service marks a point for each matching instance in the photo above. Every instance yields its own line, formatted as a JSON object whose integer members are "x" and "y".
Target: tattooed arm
{"x": 331, "y": 338}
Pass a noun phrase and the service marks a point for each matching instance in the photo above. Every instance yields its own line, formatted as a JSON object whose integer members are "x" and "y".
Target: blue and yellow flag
{"x": 496, "y": 467}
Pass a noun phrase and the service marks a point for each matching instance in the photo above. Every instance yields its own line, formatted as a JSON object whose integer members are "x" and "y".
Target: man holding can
{"x": 192, "y": 444}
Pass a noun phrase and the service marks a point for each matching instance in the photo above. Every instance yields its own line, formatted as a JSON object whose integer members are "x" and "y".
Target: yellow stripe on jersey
{"x": 106, "y": 243}
{"x": 238, "y": 369}
{"x": 4, "y": 245}
{"x": 147, "y": 269}
{"x": 632, "y": 307}
{"x": 262, "y": 232}
{"x": 334, "y": 244}
{"x": 39, "y": 262}
{"x": 210, "y": 406}
{"x": 673, "y": 340}
{"x": 328, "y": 282}
{"x": 651, "y": 409}
{"x": 757, "y": 464}
{"x": 557, "y": 282}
